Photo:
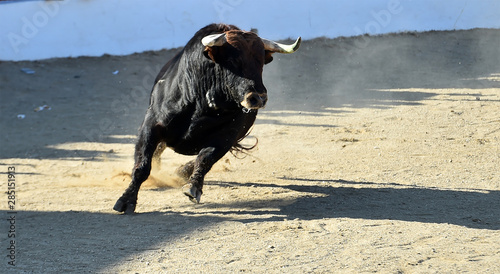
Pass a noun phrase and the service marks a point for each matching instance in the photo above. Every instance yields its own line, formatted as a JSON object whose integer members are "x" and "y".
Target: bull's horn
{"x": 214, "y": 40}
{"x": 281, "y": 48}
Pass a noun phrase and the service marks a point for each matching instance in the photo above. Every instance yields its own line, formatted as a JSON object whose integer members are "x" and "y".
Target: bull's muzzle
{"x": 254, "y": 100}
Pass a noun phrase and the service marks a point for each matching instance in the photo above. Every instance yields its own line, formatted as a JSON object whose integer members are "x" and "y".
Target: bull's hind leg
{"x": 201, "y": 166}
{"x": 186, "y": 170}
{"x": 157, "y": 155}
{"x": 144, "y": 150}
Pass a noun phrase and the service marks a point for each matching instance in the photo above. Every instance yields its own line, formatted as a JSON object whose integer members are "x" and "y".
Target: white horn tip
{"x": 293, "y": 47}
{"x": 296, "y": 45}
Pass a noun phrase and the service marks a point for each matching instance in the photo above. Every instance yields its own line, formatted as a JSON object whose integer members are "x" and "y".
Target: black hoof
{"x": 193, "y": 193}
{"x": 127, "y": 208}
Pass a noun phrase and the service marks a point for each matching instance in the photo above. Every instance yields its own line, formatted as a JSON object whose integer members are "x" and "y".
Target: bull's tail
{"x": 238, "y": 149}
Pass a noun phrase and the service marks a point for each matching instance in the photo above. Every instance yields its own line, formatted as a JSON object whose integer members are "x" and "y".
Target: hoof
{"x": 127, "y": 208}
{"x": 193, "y": 193}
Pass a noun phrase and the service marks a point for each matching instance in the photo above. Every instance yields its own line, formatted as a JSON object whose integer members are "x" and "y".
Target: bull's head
{"x": 242, "y": 55}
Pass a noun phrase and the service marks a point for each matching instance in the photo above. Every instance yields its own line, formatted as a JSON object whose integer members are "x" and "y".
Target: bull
{"x": 204, "y": 102}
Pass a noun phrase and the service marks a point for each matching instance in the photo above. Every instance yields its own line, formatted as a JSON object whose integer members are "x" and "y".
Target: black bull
{"x": 204, "y": 101}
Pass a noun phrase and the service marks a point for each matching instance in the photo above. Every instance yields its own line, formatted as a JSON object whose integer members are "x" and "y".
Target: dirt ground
{"x": 375, "y": 154}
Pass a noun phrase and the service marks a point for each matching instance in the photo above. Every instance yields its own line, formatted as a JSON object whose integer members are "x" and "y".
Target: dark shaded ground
{"x": 90, "y": 103}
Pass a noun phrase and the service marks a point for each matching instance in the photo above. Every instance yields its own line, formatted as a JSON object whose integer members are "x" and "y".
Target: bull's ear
{"x": 207, "y": 53}
{"x": 212, "y": 44}
{"x": 211, "y": 53}
{"x": 268, "y": 57}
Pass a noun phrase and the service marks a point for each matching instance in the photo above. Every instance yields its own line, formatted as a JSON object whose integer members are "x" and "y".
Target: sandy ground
{"x": 375, "y": 154}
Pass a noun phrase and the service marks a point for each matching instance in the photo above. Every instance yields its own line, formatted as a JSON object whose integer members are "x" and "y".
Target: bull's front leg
{"x": 149, "y": 137}
{"x": 202, "y": 165}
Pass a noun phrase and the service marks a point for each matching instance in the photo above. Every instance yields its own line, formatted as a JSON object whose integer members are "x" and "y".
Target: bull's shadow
{"x": 74, "y": 241}
{"x": 377, "y": 201}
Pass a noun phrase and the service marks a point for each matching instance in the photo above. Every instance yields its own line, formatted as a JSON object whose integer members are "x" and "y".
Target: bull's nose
{"x": 254, "y": 100}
